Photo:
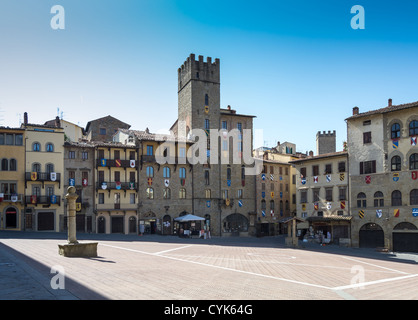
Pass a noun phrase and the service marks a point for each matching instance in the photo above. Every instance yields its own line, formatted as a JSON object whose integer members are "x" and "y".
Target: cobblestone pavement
{"x": 222, "y": 268}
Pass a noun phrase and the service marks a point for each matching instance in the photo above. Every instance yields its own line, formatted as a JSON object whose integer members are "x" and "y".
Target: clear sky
{"x": 297, "y": 65}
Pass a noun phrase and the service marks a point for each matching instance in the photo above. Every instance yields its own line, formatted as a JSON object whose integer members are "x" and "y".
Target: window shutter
{"x": 361, "y": 167}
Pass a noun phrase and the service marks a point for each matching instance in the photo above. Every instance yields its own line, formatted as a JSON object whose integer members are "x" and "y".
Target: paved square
{"x": 169, "y": 268}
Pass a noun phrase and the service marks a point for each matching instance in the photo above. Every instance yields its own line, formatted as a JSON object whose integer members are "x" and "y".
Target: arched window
{"x": 5, "y": 165}
{"x": 36, "y": 167}
{"x": 228, "y": 173}
{"x": 395, "y": 163}
{"x": 49, "y": 167}
{"x": 49, "y": 147}
{"x": 395, "y": 131}
{"x": 361, "y": 200}
{"x": 396, "y": 198}
{"x": 413, "y": 128}
{"x": 413, "y": 161}
{"x": 36, "y": 146}
{"x": 263, "y": 204}
{"x": 182, "y": 193}
{"x": 166, "y": 172}
{"x": 150, "y": 172}
{"x": 150, "y": 193}
{"x": 13, "y": 165}
{"x": 182, "y": 173}
{"x": 271, "y": 204}
{"x": 414, "y": 197}
{"x": 167, "y": 193}
{"x": 378, "y": 199}
{"x": 206, "y": 100}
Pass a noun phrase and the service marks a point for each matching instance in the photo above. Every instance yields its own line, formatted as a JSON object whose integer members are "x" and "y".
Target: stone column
{"x": 71, "y": 197}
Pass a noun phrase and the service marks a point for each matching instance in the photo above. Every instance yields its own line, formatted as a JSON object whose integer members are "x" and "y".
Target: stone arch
{"x": 235, "y": 222}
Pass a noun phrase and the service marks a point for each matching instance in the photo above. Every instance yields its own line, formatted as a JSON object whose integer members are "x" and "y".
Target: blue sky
{"x": 296, "y": 65}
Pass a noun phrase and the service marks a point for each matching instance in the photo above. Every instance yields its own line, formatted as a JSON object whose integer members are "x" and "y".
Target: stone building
{"x": 79, "y": 170}
{"x": 12, "y": 182}
{"x": 322, "y": 197}
{"x": 104, "y": 128}
{"x": 222, "y": 192}
{"x": 383, "y": 181}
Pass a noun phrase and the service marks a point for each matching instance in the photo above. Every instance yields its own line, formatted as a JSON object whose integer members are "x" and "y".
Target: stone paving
{"x": 155, "y": 267}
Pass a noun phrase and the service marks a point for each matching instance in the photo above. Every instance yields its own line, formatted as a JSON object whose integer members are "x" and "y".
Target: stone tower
{"x": 198, "y": 94}
{"x": 325, "y": 142}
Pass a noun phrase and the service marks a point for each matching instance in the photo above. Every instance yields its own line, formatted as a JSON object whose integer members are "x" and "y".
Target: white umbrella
{"x": 188, "y": 217}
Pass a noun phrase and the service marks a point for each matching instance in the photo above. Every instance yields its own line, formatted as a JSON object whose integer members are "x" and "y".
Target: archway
{"x": 11, "y": 218}
{"x": 405, "y": 237}
{"x": 235, "y": 223}
{"x": 371, "y": 235}
{"x": 101, "y": 225}
{"x": 167, "y": 224}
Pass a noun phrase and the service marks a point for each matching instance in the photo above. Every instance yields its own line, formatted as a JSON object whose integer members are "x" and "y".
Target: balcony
{"x": 116, "y": 163}
{"x": 43, "y": 176}
{"x": 7, "y": 197}
{"x": 48, "y": 200}
{"x": 105, "y": 185}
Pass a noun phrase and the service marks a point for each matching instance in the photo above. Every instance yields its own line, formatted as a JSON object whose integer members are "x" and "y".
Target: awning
{"x": 188, "y": 217}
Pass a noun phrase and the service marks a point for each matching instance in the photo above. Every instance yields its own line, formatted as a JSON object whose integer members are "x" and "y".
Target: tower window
{"x": 206, "y": 100}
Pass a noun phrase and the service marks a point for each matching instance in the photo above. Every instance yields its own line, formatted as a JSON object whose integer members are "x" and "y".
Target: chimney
{"x": 389, "y": 102}
{"x": 229, "y": 107}
{"x": 311, "y": 153}
{"x": 355, "y": 111}
{"x": 57, "y": 122}
{"x": 25, "y": 118}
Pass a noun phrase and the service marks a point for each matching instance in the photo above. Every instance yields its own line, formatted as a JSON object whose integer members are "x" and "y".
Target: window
{"x": 182, "y": 193}
{"x": 150, "y": 193}
{"x": 71, "y": 154}
{"x": 1, "y": 138}
{"x": 102, "y": 131}
{"x": 36, "y": 167}
{"x": 224, "y": 194}
{"x": 9, "y": 139}
{"x": 224, "y": 125}
{"x": 367, "y": 137}
{"x": 303, "y": 196}
{"x": 379, "y": 201}
{"x": 228, "y": 173}
{"x": 414, "y": 197}
{"x": 271, "y": 204}
{"x": 150, "y": 172}
{"x": 328, "y": 194}
{"x": 368, "y": 167}
{"x": 207, "y": 124}
{"x": 207, "y": 194}
{"x": 49, "y": 147}
{"x": 116, "y": 154}
{"x": 150, "y": 150}
{"x": 315, "y": 170}
{"x": 207, "y": 180}
{"x": 413, "y": 161}
{"x": 19, "y": 139}
{"x": 396, "y": 198}
{"x": 239, "y": 193}
{"x": 206, "y": 100}
{"x": 101, "y": 198}
{"x": 117, "y": 176}
{"x": 182, "y": 173}
{"x": 303, "y": 172}
{"x": 13, "y": 165}
{"x": 395, "y": 131}
{"x": 263, "y": 204}
{"x": 395, "y": 163}
{"x": 342, "y": 193}
{"x": 182, "y": 152}
{"x": 84, "y": 155}
{"x": 328, "y": 168}
{"x": 5, "y": 165}
{"x": 367, "y": 122}
{"x": 49, "y": 167}
{"x": 315, "y": 195}
{"x": 239, "y": 126}
{"x": 413, "y": 128}
{"x": 167, "y": 193}
{"x": 361, "y": 200}
{"x": 341, "y": 166}
{"x": 166, "y": 172}
{"x": 132, "y": 198}
{"x": 36, "y": 146}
